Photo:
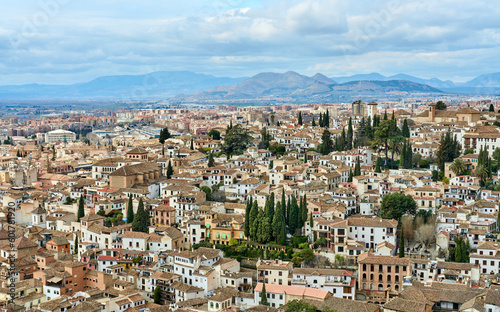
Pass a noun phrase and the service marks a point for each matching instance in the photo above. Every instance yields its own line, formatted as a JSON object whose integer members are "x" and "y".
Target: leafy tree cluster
{"x": 214, "y": 134}
{"x": 164, "y": 135}
{"x": 364, "y": 133}
{"x": 273, "y": 221}
{"x": 324, "y": 119}
{"x": 460, "y": 253}
{"x": 277, "y": 149}
{"x": 395, "y": 205}
{"x": 266, "y": 139}
{"x": 387, "y": 137}
{"x": 141, "y": 219}
{"x": 449, "y": 149}
{"x": 484, "y": 168}
{"x": 440, "y": 105}
{"x": 236, "y": 141}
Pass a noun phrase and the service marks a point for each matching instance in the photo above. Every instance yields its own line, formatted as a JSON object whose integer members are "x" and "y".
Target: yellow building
{"x": 221, "y": 228}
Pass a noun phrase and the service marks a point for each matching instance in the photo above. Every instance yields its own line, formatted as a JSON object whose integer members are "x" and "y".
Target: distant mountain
{"x": 296, "y": 86}
{"x": 433, "y": 82}
{"x": 484, "y": 81}
{"x": 165, "y": 84}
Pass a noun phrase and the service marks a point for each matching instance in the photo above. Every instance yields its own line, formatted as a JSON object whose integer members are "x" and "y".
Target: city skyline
{"x": 64, "y": 42}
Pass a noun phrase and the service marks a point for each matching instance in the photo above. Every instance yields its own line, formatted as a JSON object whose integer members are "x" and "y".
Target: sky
{"x": 71, "y": 41}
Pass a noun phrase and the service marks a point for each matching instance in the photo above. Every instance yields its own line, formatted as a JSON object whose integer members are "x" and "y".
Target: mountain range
{"x": 184, "y": 86}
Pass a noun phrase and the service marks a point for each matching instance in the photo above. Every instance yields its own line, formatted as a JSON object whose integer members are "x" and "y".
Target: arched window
{"x": 372, "y": 287}
{"x": 380, "y": 277}
{"x": 364, "y": 276}
{"x": 380, "y": 287}
{"x": 388, "y": 278}
{"x": 364, "y": 286}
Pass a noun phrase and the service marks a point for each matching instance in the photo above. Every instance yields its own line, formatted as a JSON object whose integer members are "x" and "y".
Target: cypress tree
{"x": 254, "y": 212}
{"x": 406, "y": 129}
{"x": 283, "y": 204}
{"x": 299, "y": 121}
{"x": 321, "y": 119}
{"x": 210, "y": 160}
{"x": 270, "y": 210}
{"x": 130, "y": 210}
{"x": 263, "y": 295}
{"x": 311, "y": 220}
{"x": 247, "y": 217}
{"x": 278, "y": 224}
{"x": 170, "y": 170}
{"x": 350, "y": 176}
{"x": 140, "y": 223}
{"x": 157, "y": 295}
{"x": 292, "y": 217}
{"x": 401, "y": 244}
{"x": 379, "y": 165}
{"x": 192, "y": 144}
{"x": 76, "y": 246}
{"x": 81, "y": 208}
{"x": 357, "y": 168}
{"x": 313, "y": 123}
{"x": 303, "y": 211}
{"x": 257, "y": 225}
{"x": 349, "y": 135}
{"x": 288, "y": 213}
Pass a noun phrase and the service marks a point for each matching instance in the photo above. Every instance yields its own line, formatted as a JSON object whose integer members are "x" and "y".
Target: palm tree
{"x": 396, "y": 146}
{"x": 482, "y": 173}
{"x": 458, "y": 167}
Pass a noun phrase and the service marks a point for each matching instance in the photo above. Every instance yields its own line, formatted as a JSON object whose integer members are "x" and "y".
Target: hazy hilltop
{"x": 188, "y": 86}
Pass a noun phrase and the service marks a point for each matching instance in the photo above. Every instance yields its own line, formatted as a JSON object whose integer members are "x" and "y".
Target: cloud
{"x": 82, "y": 40}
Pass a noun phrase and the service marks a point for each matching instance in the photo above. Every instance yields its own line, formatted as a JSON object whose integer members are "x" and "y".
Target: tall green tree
{"x": 384, "y": 132}
{"x": 157, "y": 295}
{"x": 270, "y": 207}
{"x": 492, "y": 108}
{"x": 247, "y": 217}
{"x": 326, "y": 146}
{"x": 406, "y": 129}
{"x": 164, "y": 135}
{"x": 313, "y": 123}
{"x": 357, "y": 168}
{"x": 130, "y": 210}
{"x": 379, "y": 165}
{"x": 75, "y": 250}
{"x": 349, "y": 179}
{"x": 294, "y": 216}
{"x": 170, "y": 170}
{"x": 299, "y": 121}
{"x": 350, "y": 134}
{"x": 140, "y": 223}
{"x": 257, "y": 225}
{"x": 278, "y": 225}
{"x": 236, "y": 141}
{"x": 311, "y": 220}
{"x": 210, "y": 160}
{"x": 192, "y": 144}
{"x": 254, "y": 213}
{"x": 81, "y": 208}
{"x": 449, "y": 149}
{"x": 401, "y": 244}
{"x": 303, "y": 211}
{"x": 263, "y": 295}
